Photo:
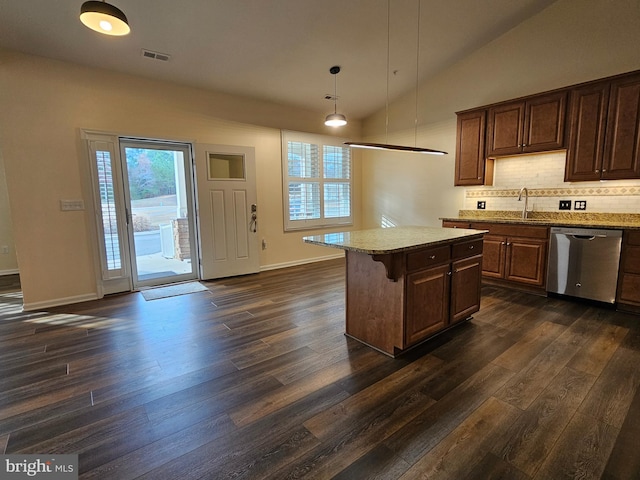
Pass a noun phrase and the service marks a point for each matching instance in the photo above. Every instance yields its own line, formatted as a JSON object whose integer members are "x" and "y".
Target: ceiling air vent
{"x": 164, "y": 57}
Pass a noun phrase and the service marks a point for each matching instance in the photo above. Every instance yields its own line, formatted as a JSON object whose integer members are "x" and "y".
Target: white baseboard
{"x": 276, "y": 266}
{"x": 9, "y": 272}
{"x": 27, "y": 307}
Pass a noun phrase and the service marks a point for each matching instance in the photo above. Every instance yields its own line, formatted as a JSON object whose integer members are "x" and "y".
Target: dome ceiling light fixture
{"x": 104, "y": 18}
{"x": 335, "y": 119}
{"x": 386, "y": 146}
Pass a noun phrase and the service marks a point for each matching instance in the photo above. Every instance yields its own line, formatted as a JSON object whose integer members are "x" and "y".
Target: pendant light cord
{"x": 386, "y": 116}
{"x": 335, "y": 93}
{"x": 415, "y": 134}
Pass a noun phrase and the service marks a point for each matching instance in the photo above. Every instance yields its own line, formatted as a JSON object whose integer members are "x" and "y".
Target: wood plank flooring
{"x": 254, "y": 379}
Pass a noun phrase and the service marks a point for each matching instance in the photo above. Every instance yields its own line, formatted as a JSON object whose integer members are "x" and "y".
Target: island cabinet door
{"x": 466, "y": 279}
{"x": 427, "y": 303}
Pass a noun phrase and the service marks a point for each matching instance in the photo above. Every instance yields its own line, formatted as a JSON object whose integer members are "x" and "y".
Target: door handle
{"x": 253, "y": 224}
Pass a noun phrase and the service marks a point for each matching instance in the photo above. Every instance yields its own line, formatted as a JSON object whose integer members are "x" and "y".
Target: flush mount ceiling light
{"x": 104, "y": 18}
{"x": 335, "y": 119}
{"x": 386, "y": 146}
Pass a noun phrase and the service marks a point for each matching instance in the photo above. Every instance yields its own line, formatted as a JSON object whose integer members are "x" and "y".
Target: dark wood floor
{"x": 255, "y": 379}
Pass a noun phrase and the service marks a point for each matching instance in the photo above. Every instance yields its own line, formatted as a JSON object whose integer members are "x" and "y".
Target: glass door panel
{"x": 160, "y": 212}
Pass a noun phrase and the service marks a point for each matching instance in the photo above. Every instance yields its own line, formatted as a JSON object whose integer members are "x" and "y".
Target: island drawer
{"x": 429, "y": 256}
{"x": 466, "y": 249}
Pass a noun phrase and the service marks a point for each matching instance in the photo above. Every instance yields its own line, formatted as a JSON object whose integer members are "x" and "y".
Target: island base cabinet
{"x": 374, "y": 304}
{"x": 395, "y": 301}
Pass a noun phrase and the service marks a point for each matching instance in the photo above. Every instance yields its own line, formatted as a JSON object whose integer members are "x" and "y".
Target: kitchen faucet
{"x": 526, "y": 200}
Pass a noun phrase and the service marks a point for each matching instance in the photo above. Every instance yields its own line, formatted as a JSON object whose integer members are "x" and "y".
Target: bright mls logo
{"x": 50, "y": 467}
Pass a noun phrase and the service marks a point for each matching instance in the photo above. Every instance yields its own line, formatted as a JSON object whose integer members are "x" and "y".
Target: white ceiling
{"x": 275, "y": 50}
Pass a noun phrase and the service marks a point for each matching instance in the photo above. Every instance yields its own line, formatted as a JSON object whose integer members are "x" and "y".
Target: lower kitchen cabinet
{"x": 513, "y": 254}
{"x": 628, "y": 295}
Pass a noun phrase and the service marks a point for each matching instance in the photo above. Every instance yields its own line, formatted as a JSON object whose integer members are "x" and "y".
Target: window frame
{"x": 321, "y": 141}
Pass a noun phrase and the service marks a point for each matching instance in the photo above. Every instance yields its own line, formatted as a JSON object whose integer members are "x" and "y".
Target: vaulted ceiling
{"x": 275, "y": 50}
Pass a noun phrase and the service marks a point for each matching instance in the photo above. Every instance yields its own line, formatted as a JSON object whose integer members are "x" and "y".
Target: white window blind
{"x": 317, "y": 181}
{"x": 109, "y": 224}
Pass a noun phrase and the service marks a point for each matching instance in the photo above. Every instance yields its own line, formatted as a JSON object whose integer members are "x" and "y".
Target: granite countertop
{"x": 629, "y": 221}
{"x": 379, "y": 241}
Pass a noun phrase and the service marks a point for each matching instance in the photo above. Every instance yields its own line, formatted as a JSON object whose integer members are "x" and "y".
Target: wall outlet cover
{"x": 565, "y": 205}
{"x": 580, "y": 205}
{"x": 481, "y": 205}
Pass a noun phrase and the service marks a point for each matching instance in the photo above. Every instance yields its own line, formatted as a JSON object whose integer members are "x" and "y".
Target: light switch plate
{"x": 71, "y": 205}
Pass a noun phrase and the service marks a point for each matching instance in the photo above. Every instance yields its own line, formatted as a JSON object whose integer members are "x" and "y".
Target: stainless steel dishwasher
{"x": 584, "y": 263}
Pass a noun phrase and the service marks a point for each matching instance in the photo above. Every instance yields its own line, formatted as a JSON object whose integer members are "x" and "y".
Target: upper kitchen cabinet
{"x": 534, "y": 124}
{"x": 604, "y": 130}
{"x": 587, "y": 122}
{"x": 470, "y": 159}
{"x": 622, "y": 143}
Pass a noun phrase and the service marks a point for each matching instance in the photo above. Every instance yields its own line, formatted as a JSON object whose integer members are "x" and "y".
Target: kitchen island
{"x": 406, "y": 284}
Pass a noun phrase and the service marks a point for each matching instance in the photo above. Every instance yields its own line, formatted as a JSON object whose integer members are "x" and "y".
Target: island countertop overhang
{"x": 379, "y": 241}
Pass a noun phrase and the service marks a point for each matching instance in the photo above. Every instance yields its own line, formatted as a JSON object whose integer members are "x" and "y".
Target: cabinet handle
{"x": 604, "y": 170}
{"x": 432, "y": 257}
{"x": 470, "y": 247}
{"x": 449, "y": 273}
{"x": 502, "y": 243}
{"x": 508, "y": 244}
{"x": 597, "y": 171}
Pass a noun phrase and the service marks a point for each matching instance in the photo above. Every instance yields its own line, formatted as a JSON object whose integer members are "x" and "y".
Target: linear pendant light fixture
{"x": 104, "y": 18}
{"x": 335, "y": 119}
{"x": 386, "y": 146}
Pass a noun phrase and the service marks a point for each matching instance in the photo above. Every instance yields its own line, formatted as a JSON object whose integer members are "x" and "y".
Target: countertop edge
{"x": 544, "y": 223}
{"x": 477, "y": 234}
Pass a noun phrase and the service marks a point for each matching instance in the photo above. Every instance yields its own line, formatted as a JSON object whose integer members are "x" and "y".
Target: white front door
{"x": 227, "y": 210}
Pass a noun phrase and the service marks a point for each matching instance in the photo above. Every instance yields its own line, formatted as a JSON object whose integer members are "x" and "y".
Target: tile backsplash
{"x": 543, "y": 175}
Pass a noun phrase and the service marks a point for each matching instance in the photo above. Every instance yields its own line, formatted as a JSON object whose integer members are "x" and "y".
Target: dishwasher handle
{"x": 587, "y": 237}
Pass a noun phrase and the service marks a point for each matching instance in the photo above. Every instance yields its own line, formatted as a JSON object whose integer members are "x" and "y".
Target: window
{"x": 317, "y": 181}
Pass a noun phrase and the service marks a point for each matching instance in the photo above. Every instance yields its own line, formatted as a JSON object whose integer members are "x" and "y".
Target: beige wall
{"x": 44, "y": 105}
{"x": 570, "y": 42}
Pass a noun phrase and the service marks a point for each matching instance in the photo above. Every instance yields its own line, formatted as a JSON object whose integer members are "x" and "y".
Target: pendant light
{"x": 386, "y": 146}
{"x": 335, "y": 119}
{"x": 104, "y": 18}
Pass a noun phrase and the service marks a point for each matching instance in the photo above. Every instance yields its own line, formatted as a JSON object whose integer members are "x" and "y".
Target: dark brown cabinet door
{"x": 587, "y": 122}
{"x": 622, "y": 144}
{"x": 534, "y": 125}
{"x": 466, "y": 278}
{"x": 629, "y": 282}
{"x": 470, "y": 159}
{"x": 504, "y": 129}
{"x": 493, "y": 252}
{"x": 544, "y": 123}
{"x": 526, "y": 260}
{"x": 427, "y": 303}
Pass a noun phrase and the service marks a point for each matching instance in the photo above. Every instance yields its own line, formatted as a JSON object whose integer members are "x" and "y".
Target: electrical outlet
{"x": 264, "y": 244}
{"x": 481, "y": 205}
{"x": 565, "y": 205}
{"x": 580, "y": 205}
{"x": 4, "y": 249}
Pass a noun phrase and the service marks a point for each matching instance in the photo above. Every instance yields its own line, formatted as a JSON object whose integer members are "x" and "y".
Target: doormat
{"x": 173, "y": 290}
